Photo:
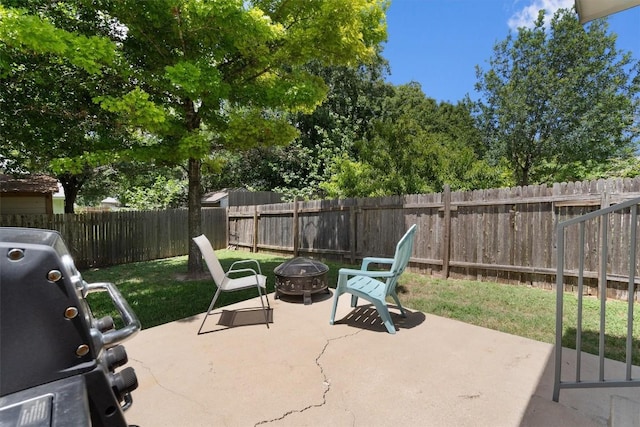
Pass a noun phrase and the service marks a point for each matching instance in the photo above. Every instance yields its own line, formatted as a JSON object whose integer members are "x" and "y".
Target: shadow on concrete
{"x": 229, "y": 319}
{"x": 299, "y": 299}
{"x": 367, "y": 317}
{"x": 599, "y": 406}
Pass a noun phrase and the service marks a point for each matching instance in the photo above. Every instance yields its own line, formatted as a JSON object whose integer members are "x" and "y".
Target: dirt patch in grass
{"x": 191, "y": 277}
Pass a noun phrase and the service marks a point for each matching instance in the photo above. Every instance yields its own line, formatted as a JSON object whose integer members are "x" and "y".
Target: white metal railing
{"x": 603, "y": 216}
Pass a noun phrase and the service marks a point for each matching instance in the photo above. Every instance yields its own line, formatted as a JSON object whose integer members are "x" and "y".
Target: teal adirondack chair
{"x": 375, "y": 286}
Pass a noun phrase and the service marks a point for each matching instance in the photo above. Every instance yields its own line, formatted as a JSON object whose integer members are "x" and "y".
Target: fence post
{"x": 446, "y": 232}
{"x": 296, "y": 227}
{"x": 227, "y": 225}
{"x": 255, "y": 229}
{"x": 352, "y": 234}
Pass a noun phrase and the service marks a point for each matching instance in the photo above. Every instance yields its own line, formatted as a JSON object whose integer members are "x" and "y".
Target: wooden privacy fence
{"x": 99, "y": 239}
{"x": 505, "y": 235}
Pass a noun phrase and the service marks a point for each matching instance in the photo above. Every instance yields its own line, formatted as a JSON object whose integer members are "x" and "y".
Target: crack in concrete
{"x": 326, "y": 382}
{"x": 470, "y": 396}
{"x": 187, "y": 398}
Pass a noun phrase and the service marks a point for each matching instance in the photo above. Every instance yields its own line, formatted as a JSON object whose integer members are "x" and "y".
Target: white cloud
{"x": 526, "y": 16}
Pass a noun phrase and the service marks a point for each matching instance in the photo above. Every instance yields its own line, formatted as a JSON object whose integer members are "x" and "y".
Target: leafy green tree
{"x": 558, "y": 97}
{"x": 334, "y": 128}
{"x": 350, "y": 178}
{"x": 622, "y": 167}
{"x": 414, "y": 146}
{"x": 22, "y": 32}
{"x": 211, "y": 76}
{"x": 163, "y": 193}
{"x": 403, "y": 155}
{"x": 50, "y": 73}
{"x": 137, "y": 185}
{"x": 352, "y": 103}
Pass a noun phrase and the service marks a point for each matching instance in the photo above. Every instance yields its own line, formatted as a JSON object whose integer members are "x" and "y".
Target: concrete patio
{"x": 304, "y": 372}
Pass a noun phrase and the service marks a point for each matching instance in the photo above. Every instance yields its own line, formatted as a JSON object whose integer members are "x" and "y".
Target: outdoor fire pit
{"x": 301, "y": 276}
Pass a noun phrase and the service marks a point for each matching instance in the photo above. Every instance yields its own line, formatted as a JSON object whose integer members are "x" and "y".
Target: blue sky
{"x": 438, "y": 43}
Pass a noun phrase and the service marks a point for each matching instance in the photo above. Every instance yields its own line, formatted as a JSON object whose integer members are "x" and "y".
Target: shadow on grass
{"x": 614, "y": 346}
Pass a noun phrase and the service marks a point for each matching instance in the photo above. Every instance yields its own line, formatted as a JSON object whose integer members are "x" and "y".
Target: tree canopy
{"x": 192, "y": 78}
{"x": 49, "y": 75}
{"x": 155, "y": 100}
{"x": 414, "y": 145}
{"x": 558, "y": 97}
{"x": 23, "y": 32}
{"x": 207, "y": 77}
{"x": 354, "y": 99}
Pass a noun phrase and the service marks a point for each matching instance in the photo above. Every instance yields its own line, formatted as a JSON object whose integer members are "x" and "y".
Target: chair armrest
{"x": 241, "y": 270}
{"x": 344, "y": 273}
{"x": 247, "y": 261}
{"x": 368, "y": 273}
{"x": 374, "y": 260}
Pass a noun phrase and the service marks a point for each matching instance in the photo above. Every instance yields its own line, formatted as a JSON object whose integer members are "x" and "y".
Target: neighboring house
{"x": 32, "y": 194}
{"x": 58, "y": 200}
{"x": 110, "y": 204}
{"x": 239, "y": 197}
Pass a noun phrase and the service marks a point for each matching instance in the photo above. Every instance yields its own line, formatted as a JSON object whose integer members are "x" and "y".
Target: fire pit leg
{"x": 307, "y": 297}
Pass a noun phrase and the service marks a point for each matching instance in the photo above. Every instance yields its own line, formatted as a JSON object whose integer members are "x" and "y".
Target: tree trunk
{"x": 71, "y": 185}
{"x": 195, "y": 215}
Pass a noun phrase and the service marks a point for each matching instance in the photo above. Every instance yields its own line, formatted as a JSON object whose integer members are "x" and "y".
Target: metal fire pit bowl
{"x": 301, "y": 276}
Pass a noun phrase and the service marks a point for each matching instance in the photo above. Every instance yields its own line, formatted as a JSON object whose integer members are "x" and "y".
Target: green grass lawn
{"x": 521, "y": 310}
{"x": 159, "y": 293}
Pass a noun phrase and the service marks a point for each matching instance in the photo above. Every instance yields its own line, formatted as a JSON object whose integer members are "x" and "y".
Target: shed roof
{"x": 41, "y": 184}
{"x": 216, "y": 196}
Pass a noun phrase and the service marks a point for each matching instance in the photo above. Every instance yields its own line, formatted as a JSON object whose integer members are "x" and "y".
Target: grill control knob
{"x": 105, "y": 324}
{"x": 116, "y": 356}
{"x": 124, "y": 382}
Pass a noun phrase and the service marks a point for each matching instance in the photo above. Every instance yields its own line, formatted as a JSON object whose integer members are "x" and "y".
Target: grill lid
{"x": 300, "y": 267}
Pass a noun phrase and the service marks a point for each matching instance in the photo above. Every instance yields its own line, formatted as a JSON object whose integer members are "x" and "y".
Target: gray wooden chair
{"x": 376, "y": 285}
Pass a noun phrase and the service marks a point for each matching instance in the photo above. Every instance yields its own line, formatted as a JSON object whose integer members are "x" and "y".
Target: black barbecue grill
{"x": 58, "y": 364}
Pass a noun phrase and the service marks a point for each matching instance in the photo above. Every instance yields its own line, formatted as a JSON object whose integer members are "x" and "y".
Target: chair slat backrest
{"x": 401, "y": 257}
{"x": 210, "y": 258}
